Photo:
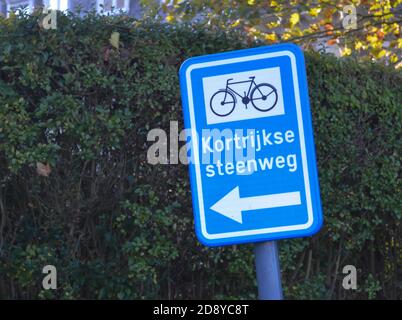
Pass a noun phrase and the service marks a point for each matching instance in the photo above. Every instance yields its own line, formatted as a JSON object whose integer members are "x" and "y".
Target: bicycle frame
{"x": 252, "y": 82}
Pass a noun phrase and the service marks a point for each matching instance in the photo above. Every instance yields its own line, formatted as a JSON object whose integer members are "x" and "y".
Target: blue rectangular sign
{"x": 251, "y": 150}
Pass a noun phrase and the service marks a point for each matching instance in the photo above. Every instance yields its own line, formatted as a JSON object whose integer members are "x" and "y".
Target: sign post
{"x": 268, "y": 271}
{"x": 251, "y": 151}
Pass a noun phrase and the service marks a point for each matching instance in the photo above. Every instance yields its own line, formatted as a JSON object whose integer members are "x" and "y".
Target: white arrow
{"x": 231, "y": 205}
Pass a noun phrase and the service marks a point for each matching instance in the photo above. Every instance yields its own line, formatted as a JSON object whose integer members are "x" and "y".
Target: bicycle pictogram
{"x": 263, "y": 97}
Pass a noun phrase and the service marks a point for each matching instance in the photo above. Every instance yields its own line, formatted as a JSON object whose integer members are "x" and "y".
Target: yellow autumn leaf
{"x": 394, "y": 58}
{"x": 375, "y": 6}
{"x": 271, "y": 37}
{"x": 372, "y": 39}
{"x": 377, "y": 45}
{"x": 170, "y": 18}
{"x": 236, "y": 23}
{"x": 314, "y": 12}
{"x": 358, "y": 45}
{"x": 381, "y": 53}
{"x": 273, "y": 24}
{"x": 395, "y": 27}
{"x": 396, "y": 3}
{"x": 346, "y": 51}
{"x": 114, "y": 39}
{"x": 400, "y": 43}
{"x": 294, "y": 19}
{"x": 251, "y": 2}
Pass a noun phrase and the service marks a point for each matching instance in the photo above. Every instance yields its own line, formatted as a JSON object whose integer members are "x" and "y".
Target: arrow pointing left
{"x": 231, "y": 205}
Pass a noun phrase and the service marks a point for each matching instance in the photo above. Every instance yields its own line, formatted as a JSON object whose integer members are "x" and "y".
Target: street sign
{"x": 251, "y": 150}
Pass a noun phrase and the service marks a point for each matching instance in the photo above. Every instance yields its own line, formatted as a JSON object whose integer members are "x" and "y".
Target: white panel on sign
{"x": 243, "y": 95}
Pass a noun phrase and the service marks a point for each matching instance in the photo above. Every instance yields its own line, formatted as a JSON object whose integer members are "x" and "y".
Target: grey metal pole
{"x": 268, "y": 271}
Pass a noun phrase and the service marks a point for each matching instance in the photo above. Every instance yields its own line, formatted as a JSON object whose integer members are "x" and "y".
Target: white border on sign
{"x": 302, "y": 146}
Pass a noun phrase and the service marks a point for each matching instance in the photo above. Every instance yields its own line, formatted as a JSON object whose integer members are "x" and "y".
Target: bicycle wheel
{"x": 222, "y": 103}
{"x": 264, "y": 97}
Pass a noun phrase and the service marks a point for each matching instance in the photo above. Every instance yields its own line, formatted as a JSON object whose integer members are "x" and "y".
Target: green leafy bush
{"x": 77, "y": 192}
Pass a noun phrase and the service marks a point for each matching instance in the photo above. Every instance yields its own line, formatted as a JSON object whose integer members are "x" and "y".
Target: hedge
{"x": 77, "y": 192}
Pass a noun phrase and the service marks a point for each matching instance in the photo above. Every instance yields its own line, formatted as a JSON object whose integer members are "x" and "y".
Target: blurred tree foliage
{"x": 367, "y": 28}
{"x": 76, "y": 191}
